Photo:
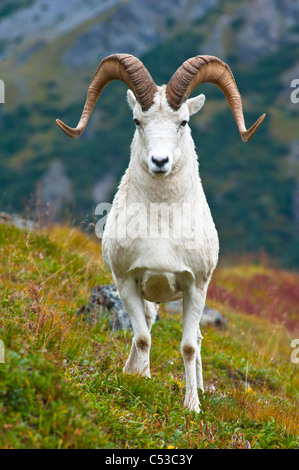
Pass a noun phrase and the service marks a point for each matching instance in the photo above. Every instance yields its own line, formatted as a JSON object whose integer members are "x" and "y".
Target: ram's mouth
{"x": 159, "y": 173}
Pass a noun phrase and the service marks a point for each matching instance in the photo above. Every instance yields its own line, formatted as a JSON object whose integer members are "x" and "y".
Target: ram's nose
{"x": 160, "y": 162}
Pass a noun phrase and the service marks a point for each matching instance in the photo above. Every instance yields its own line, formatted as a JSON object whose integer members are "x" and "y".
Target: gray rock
{"x": 105, "y": 303}
{"x": 210, "y": 316}
{"x": 17, "y": 221}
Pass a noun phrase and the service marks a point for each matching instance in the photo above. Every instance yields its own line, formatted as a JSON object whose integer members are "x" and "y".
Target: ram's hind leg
{"x": 150, "y": 309}
{"x": 199, "y": 378}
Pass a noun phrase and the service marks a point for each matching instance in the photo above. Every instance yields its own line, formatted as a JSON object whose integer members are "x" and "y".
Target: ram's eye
{"x": 183, "y": 123}
{"x": 136, "y": 122}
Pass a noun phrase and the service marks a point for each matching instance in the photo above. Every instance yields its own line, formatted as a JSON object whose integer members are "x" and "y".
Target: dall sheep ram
{"x": 150, "y": 263}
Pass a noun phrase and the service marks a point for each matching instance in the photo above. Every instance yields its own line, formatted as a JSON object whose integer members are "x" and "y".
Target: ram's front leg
{"x": 139, "y": 357}
{"x": 193, "y": 304}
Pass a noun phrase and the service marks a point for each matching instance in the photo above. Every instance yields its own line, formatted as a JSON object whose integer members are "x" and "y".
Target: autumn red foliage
{"x": 273, "y": 293}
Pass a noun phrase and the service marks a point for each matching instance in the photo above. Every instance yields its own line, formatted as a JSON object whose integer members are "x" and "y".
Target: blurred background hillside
{"x": 49, "y": 51}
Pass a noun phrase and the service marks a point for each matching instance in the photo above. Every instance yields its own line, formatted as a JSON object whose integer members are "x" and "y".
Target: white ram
{"x": 157, "y": 255}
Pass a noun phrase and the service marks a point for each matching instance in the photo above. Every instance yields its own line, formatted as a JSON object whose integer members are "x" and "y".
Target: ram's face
{"x": 162, "y": 132}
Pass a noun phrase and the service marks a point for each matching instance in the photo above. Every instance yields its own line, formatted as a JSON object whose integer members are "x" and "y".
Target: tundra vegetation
{"x": 62, "y": 385}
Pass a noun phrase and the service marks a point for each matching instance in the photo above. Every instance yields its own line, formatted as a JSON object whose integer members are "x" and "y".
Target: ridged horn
{"x": 123, "y": 67}
{"x": 203, "y": 69}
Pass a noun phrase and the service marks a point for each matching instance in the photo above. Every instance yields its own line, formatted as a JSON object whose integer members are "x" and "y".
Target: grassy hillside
{"x": 62, "y": 386}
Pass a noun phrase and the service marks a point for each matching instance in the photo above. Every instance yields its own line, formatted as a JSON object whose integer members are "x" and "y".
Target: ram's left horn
{"x": 209, "y": 69}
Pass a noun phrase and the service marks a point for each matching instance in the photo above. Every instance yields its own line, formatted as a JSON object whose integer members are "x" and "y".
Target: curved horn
{"x": 124, "y": 67}
{"x": 206, "y": 68}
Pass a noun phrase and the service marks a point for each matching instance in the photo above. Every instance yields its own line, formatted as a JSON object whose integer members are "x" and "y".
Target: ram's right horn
{"x": 123, "y": 67}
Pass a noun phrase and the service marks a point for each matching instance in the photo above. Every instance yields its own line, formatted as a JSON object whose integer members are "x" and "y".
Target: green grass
{"x": 62, "y": 384}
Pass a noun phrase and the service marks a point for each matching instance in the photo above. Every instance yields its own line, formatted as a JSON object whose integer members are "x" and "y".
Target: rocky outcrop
{"x": 42, "y": 21}
{"x": 134, "y": 27}
{"x": 260, "y": 28}
{"x": 54, "y": 190}
{"x": 102, "y": 190}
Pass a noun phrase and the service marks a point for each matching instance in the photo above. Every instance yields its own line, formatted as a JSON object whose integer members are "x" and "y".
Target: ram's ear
{"x": 195, "y": 104}
{"x": 131, "y": 99}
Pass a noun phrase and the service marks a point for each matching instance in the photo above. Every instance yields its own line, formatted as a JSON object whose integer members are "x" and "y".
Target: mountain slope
{"x": 49, "y": 60}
